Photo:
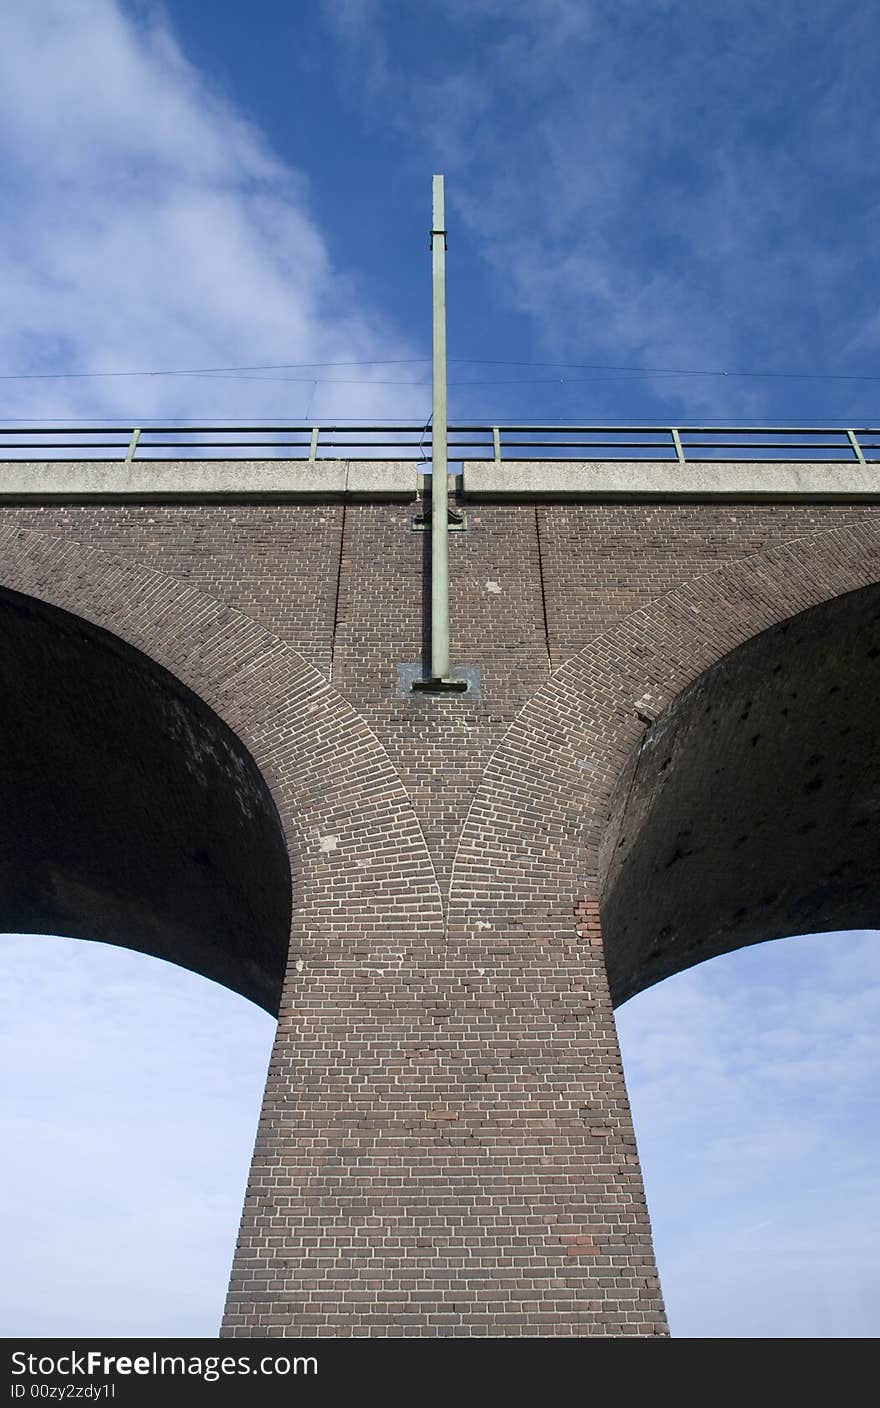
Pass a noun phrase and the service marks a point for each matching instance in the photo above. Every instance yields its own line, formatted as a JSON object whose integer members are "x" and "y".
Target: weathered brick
{"x": 445, "y": 1144}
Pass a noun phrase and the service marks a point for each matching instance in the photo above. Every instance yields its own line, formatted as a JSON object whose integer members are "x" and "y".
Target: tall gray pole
{"x": 440, "y": 680}
{"x": 439, "y": 469}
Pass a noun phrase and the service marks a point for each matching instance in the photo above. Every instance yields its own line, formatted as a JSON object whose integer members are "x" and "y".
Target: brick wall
{"x": 445, "y": 1145}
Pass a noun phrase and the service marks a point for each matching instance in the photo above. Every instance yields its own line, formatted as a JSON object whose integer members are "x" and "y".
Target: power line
{"x": 213, "y": 371}
{"x": 668, "y": 371}
{"x": 853, "y": 421}
{"x": 509, "y": 381}
{"x": 218, "y": 423}
{"x": 240, "y": 372}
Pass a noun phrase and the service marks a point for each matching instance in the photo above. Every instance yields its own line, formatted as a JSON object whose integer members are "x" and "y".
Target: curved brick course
{"x": 445, "y": 1145}
{"x": 348, "y": 821}
{"x": 536, "y": 825}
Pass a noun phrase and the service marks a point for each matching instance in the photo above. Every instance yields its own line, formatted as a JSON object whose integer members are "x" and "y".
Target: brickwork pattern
{"x": 445, "y": 1145}
{"x": 278, "y": 566}
{"x": 445, "y": 1149}
{"x": 343, "y": 585}
{"x": 537, "y": 825}
{"x": 354, "y": 840}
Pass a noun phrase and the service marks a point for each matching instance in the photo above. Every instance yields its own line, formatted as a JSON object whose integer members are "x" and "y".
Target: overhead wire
{"x": 854, "y": 420}
{"x": 245, "y": 373}
{"x": 243, "y": 370}
{"x": 210, "y": 371}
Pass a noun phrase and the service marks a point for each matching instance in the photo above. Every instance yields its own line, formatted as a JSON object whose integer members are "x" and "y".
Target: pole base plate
{"x": 440, "y": 686}
{"x": 415, "y": 682}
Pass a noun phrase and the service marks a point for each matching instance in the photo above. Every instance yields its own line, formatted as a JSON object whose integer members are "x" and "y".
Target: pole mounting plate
{"x": 414, "y": 681}
{"x": 440, "y": 686}
{"x": 457, "y": 521}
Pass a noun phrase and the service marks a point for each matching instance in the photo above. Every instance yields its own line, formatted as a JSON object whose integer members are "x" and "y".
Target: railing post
{"x": 856, "y": 447}
{"x": 313, "y": 447}
{"x": 676, "y": 440}
{"x": 496, "y": 442}
{"x": 133, "y": 444}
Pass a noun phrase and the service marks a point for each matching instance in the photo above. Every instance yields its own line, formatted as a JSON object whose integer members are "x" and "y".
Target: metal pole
{"x": 439, "y": 468}
{"x": 440, "y": 680}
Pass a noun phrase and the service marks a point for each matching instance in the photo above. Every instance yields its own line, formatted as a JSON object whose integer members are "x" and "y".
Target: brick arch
{"x": 528, "y": 858}
{"x": 353, "y": 839}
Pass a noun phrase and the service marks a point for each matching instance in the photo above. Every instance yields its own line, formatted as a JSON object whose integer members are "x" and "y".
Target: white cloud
{"x": 753, "y": 1083}
{"x": 131, "y": 1090}
{"x": 147, "y": 224}
{"x": 645, "y": 185}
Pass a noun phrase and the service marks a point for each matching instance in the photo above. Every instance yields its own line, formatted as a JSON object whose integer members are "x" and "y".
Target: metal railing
{"x": 311, "y": 443}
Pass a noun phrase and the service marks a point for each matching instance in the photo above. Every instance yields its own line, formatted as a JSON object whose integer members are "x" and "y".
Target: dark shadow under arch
{"x": 751, "y": 809}
{"x": 131, "y": 813}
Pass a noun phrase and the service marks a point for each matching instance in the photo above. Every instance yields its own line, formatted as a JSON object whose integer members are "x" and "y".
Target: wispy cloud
{"x": 753, "y": 1082}
{"x": 147, "y": 224}
{"x": 131, "y": 1091}
{"x": 661, "y": 184}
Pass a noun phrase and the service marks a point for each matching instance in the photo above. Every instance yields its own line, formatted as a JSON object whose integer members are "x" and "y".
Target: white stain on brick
{"x": 328, "y": 843}
{"x": 493, "y": 587}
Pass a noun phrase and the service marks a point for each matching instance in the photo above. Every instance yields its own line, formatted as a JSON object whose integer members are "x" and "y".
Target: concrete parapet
{"x": 171, "y": 480}
{"x": 401, "y": 480}
{"x": 663, "y": 479}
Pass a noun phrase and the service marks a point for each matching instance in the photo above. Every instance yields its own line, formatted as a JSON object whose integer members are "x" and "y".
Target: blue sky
{"x": 631, "y": 184}
{"x": 637, "y": 192}
{"x": 131, "y": 1091}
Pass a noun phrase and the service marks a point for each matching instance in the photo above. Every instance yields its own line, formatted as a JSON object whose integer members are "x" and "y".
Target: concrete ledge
{"x": 402, "y": 481}
{"x": 657, "y": 479}
{"x": 168, "y": 480}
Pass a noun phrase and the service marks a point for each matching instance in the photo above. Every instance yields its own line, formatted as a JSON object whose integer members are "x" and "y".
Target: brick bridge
{"x": 668, "y": 750}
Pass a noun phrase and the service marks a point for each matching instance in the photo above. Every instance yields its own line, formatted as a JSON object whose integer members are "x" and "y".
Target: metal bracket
{"x": 439, "y": 232}
{"x": 440, "y": 686}
{"x": 414, "y": 679}
{"x": 457, "y": 521}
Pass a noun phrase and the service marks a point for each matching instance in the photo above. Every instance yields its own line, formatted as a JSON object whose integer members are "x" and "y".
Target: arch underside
{"x": 751, "y": 809}
{"x": 130, "y": 813}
